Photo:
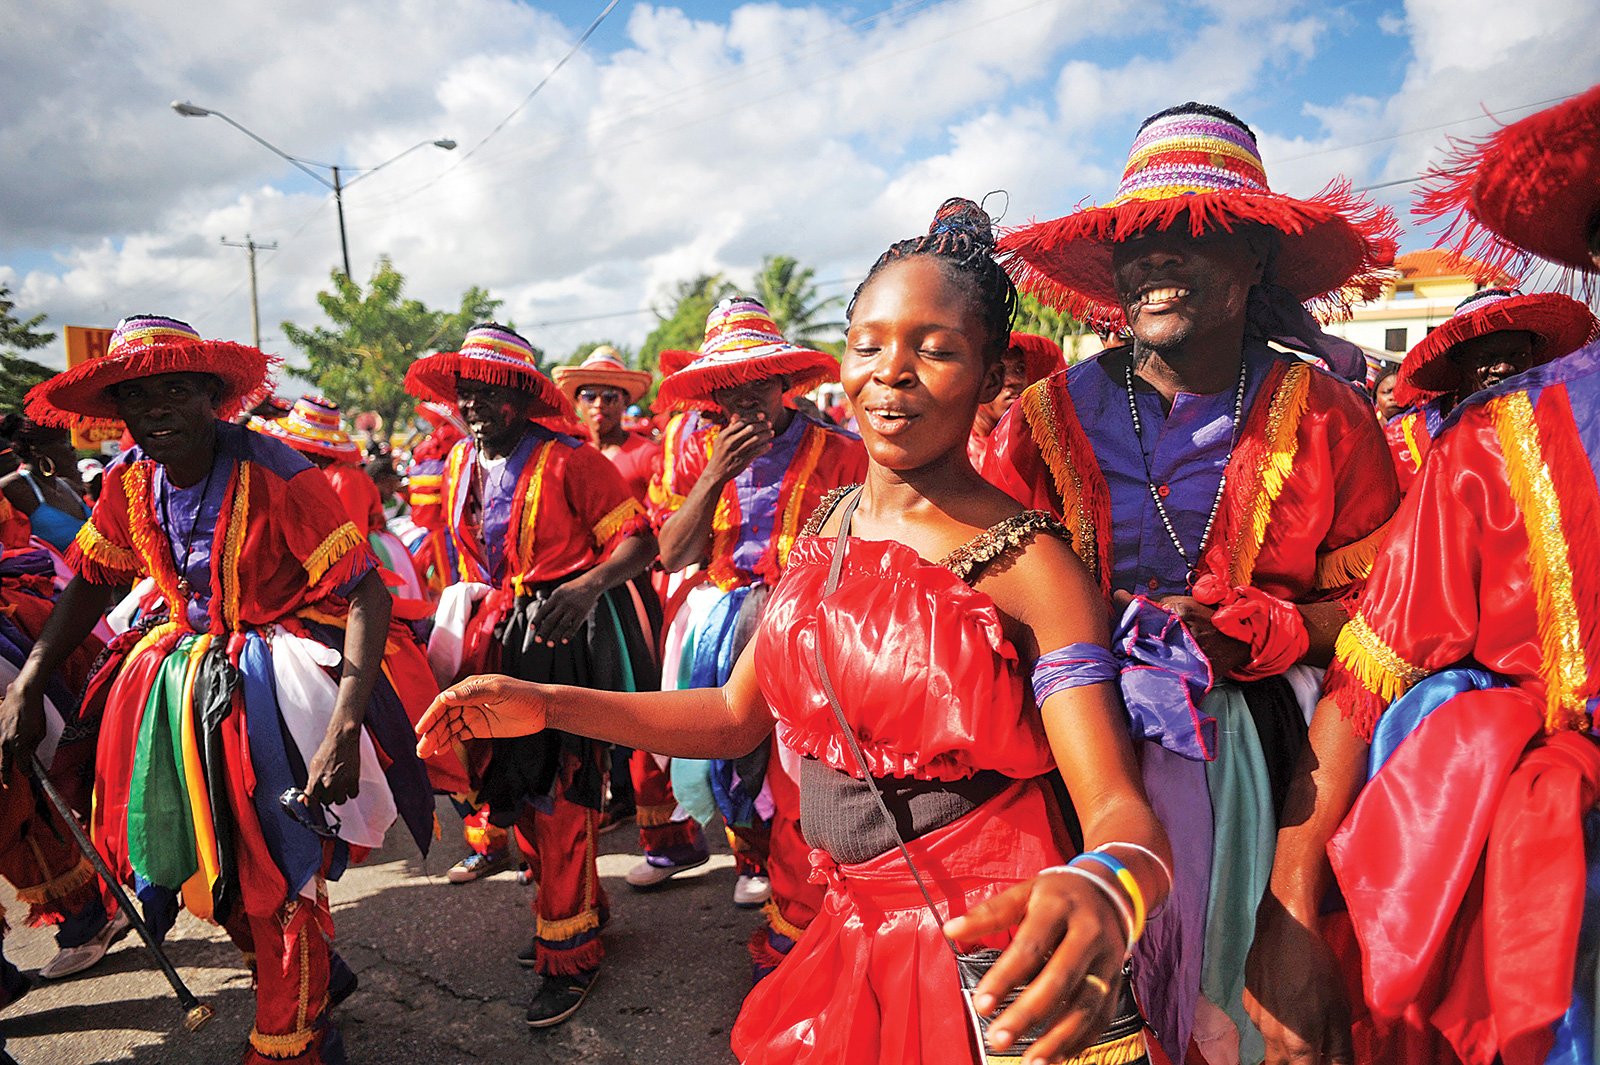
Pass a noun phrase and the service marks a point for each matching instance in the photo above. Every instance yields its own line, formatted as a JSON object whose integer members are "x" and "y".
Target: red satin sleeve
{"x": 362, "y": 502}
{"x": 922, "y": 668}
{"x": 599, "y": 497}
{"x": 103, "y": 551}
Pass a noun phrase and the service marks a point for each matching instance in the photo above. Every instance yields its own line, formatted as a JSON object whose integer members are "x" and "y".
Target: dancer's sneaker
{"x": 559, "y": 998}
{"x": 476, "y": 866}
{"x": 751, "y": 891}
{"x": 72, "y": 960}
{"x": 657, "y": 869}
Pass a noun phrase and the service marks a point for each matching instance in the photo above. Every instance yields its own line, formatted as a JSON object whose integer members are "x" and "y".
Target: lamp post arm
{"x": 373, "y": 170}
{"x": 274, "y": 149}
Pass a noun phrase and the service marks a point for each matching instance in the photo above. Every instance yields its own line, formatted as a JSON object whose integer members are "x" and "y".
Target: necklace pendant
{"x": 183, "y": 587}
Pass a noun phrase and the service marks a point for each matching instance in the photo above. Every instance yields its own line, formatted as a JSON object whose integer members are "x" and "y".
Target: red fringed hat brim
{"x": 571, "y": 378}
{"x": 1559, "y": 326}
{"x": 81, "y": 391}
{"x": 1531, "y": 189}
{"x": 671, "y": 360}
{"x": 1336, "y": 249}
{"x": 691, "y": 387}
{"x": 434, "y": 377}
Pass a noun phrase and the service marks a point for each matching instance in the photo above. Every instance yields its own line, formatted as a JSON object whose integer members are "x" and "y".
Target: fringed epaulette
{"x": 1352, "y": 562}
{"x": 1548, "y": 473}
{"x": 98, "y": 560}
{"x": 332, "y": 550}
{"x": 1081, "y": 487}
{"x": 1367, "y": 675}
{"x": 628, "y": 516}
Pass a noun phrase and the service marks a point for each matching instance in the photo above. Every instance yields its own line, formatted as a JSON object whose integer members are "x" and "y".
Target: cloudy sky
{"x": 678, "y": 140}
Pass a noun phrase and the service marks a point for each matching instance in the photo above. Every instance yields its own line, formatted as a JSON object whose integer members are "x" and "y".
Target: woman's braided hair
{"x": 962, "y": 239}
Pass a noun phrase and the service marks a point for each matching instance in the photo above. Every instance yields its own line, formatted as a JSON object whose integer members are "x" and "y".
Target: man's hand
{"x": 736, "y": 447}
{"x": 561, "y": 615}
{"x": 334, "y": 774}
{"x": 480, "y": 708}
{"x": 21, "y": 728}
{"x": 1294, "y": 992}
{"x": 1226, "y": 653}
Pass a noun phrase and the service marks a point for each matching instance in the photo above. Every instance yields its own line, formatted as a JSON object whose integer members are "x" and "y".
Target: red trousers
{"x": 571, "y": 903}
{"x": 653, "y": 798}
{"x": 39, "y": 857}
{"x": 795, "y": 900}
{"x": 289, "y": 953}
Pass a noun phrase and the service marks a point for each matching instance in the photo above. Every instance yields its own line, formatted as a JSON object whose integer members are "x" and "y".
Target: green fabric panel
{"x": 160, "y": 821}
{"x": 1244, "y": 837}
{"x": 628, "y": 684}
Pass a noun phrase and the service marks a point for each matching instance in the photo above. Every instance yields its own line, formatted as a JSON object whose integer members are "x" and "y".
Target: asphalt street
{"x": 439, "y": 977}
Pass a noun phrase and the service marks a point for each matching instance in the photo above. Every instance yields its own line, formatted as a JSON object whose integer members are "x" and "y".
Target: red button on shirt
{"x": 1162, "y": 491}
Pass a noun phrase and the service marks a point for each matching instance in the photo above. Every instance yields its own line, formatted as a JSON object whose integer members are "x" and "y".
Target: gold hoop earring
{"x": 42, "y": 462}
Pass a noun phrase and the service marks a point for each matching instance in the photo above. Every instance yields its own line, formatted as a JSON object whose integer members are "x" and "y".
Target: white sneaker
{"x": 647, "y": 874}
{"x": 72, "y": 960}
{"x": 752, "y": 891}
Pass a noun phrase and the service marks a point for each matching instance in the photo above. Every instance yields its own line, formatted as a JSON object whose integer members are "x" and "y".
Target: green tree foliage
{"x": 361, "y": 364}
{"x": 681, "y": 319}
{"x": 1075, "y": 337}
{"x": 787, "y": 290}
{"x": 584, "y": 350}
{"x": 18, "y": 374}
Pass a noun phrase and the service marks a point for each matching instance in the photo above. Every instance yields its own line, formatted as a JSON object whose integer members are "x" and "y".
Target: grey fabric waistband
{"x": 838, "y": 814}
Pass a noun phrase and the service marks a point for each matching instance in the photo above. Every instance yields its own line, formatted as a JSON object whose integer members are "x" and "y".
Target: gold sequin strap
{"x": 825, "y": 507}
{"x": 1002, "y": 538}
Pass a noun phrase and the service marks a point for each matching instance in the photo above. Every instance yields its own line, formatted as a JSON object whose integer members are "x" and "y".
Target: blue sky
{"x": 681, "y": 139}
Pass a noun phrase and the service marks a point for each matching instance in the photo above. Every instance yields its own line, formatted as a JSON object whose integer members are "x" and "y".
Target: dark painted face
{"x": 1016, "y": 380}
{"x": 602, "y": 406}
{"x": 1175, "y": 288}
{"x": 496, "y": 414}
{"x": 1384, "y": 397}
{"x": 1487, "y": 360}
{"x": 171, "y": 416}
{"x": 747, "y": 402}
{"x": 914, "y": 366}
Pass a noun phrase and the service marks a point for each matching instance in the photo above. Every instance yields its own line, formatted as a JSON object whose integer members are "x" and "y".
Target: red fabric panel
{"x": 363, "y": 505}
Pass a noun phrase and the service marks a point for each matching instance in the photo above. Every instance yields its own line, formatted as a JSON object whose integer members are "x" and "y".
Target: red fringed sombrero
{"x": 1201, "y": 165}
{"x": 312, "y": 426}
{"x": 145, "y": 345}
{"x": 742, "y": 345}
{"x": 1041, "y": 356}
{"x": 1533, "y": 187}
{"x": 603, "y": 367}
{"x": 1560, "y": 325}
{"x": 495, "y": 355}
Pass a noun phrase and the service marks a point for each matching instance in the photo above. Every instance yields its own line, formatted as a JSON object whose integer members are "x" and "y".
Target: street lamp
{"x": 189, "y": 110}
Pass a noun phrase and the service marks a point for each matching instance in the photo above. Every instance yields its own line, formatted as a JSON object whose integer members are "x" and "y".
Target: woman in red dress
{"x": 963, "y": 684}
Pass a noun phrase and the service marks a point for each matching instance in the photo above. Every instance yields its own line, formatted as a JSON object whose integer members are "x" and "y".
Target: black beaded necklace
{"x": 188, "y": 539}
{"x": 1149, "y": 480}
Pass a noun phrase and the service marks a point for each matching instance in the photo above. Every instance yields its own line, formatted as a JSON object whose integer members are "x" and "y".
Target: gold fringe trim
{"x": 340, "y": 541}
{"x": 1041, "y": 418}
{"x": 778, "y": 924}
{"x": 1534, "y": 492}
{"x": 233, "y": 547}
{"x": 1283, "y": 438}
{"x": 529, "y": 517}
{"x": 1406, "y": 428}
{"x": 1352, "y": 562}
{"x": 1374, "y": 663}
{"x": 607, "y": 527}
{"x": 654, "y": 816}
{"x": 291, "y": 1045}
{"x": 556, "y": 931}
{"x": 98, "y": 549}
{"x": 810, "y": 452}
{"x": 60, "y": 887}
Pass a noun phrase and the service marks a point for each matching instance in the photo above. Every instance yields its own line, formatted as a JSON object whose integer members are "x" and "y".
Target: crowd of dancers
{"x": 1172, "y": 706}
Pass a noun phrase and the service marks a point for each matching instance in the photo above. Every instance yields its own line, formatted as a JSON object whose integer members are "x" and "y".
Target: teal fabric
{"x": 691, "y": 777}
{"x": 1245, "y": 834}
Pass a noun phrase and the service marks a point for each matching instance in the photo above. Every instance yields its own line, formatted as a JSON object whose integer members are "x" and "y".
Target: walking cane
{"x": 196, "y": 1013}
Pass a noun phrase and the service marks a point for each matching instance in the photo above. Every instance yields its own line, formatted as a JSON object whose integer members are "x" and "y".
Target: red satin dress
{"x": 934, "y": 691}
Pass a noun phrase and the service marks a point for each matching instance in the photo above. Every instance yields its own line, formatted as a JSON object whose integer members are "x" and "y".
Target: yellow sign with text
{"x": 85, "y": 343}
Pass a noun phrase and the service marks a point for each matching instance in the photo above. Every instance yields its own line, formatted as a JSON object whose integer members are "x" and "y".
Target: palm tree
{"x": 790, "y": 296}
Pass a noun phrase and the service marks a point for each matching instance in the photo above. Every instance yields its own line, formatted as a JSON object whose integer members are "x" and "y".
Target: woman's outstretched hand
{"x": 484, "y": 707}
{"x": 1068, "y": 948}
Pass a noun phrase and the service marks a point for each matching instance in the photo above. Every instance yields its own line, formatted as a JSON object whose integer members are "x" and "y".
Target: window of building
{"x": 1406, "y": 291}
{"x": 1394, "y": 339}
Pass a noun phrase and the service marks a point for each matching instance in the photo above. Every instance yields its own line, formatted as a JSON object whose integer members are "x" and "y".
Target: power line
{"x": 1421, "y": 129}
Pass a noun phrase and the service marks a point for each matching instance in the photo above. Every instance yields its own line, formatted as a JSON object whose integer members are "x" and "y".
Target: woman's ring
{"x": 1101, "y": 986}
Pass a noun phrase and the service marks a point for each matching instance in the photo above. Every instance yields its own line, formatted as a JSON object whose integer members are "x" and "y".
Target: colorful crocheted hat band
{"x": 494, "y": 341}
{"x": 313, "y": 425}
{"x": 1188, "y": 153}
{"x": 147, "y": 345}
{"x": 742, "y": 344}
{"x": 603, "y": 367}
{"x": 495, "y": 355}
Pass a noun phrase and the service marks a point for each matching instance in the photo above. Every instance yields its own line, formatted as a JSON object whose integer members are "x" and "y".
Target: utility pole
{"x": 338, "y": 199}
{"x": 251, "y": 246}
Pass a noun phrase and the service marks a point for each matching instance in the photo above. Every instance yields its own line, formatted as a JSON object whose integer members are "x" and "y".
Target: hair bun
{"x": 957, "y": 216}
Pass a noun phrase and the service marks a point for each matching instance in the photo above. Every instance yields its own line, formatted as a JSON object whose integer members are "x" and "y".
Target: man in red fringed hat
{"x": 1495, "y": 333}
{"x": 1029, "y": 358}
{"x": 745, "y": 495}
{"x": 1228, "y": 481}
{"x": 265, "y": 591}
{"x": 546, "y": 536}
{"x": 1471, "y": 860}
